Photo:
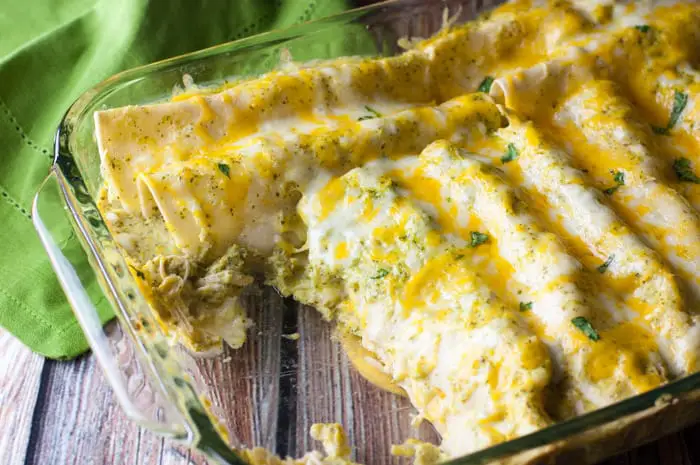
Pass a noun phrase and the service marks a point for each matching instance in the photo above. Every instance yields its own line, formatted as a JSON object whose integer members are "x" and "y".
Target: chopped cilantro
{"x": 586, "y": 328}
{"x": 511, "y": 154}
{"x": 604, "y": 267}
{"x": 478, "y": 238}
{"x": 619, "y": 178}
{"x": 373, "y": 111}
{"x": 373, "y": 114}
{"x": 139, "y": 273}
{"x": 660, "y": 130}
{"x": 525, "y": 306}
{"x": 485, "y": 85}
{"x": 643, "y": 27}
{"x": 224, "y": 168}
{"x": 680, "y": 100}
{"x": 382, "y": 272}
{"x": 684, "y": 171}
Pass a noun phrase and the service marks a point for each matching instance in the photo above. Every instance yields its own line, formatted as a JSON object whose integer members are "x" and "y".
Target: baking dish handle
{"x": 114, "y": 350}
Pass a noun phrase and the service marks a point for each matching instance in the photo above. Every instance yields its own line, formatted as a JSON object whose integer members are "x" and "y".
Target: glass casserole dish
{"x": 270, "y": 392}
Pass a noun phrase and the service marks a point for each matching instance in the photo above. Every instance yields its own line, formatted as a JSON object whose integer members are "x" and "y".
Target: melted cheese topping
{"x": 503, "y": 222}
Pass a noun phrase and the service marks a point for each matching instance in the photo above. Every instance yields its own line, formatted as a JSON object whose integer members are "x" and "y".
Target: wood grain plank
{"x": 389, "y": 422}
{"x": 323, "y": 393}
{"x": 20, "y": 378}
{"x": 648, "y": 454}
{"x": 672, "y": 450}
{"x": 622, "y": 459}
{"x": 81, "y": 423}
{"x": 692, "y": 440}
{"x": 181, "y": 455}
{"x": 333, "y": 391}
{"x": 243, "y": 384}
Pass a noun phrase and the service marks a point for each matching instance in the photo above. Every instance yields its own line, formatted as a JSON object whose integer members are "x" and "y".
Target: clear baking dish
{"x": 269, "y": 392}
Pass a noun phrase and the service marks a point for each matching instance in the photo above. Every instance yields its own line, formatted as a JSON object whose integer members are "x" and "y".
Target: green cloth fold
{"x": 51, "y": 52}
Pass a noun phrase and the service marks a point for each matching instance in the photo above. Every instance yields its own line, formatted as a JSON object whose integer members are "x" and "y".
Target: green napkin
{"x": 51, "y": 51}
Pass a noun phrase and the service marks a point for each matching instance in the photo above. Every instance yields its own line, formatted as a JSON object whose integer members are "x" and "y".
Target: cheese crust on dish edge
{"x": 503, "y": 220}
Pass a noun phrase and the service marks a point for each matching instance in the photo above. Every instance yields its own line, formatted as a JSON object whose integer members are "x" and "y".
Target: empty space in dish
{"x": 270, "y": 391}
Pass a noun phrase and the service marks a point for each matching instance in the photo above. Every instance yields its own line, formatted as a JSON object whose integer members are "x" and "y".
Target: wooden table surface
{"x": 64, "y": 413}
